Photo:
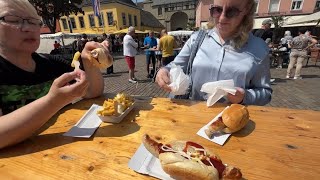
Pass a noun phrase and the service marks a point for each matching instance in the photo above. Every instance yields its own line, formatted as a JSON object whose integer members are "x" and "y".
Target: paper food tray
{"x": 116, "y": 119}
{"x": 87, "y": 125}
{"x": 145, "y": 163}
{"x": 219, "y": 138}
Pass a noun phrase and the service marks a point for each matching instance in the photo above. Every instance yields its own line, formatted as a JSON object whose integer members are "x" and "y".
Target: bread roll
{"x": 235, "y": 118}
{"x": 189, "y": 160}
{"x": 181, "y": 168}
{"x": 100, "y": 59}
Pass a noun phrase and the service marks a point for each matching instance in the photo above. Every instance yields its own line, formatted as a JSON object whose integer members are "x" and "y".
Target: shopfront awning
{"x": 311, "y": 18}
{"x": 289, "y": 21}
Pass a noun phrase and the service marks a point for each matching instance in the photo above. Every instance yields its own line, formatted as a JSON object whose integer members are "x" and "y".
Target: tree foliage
{"x": 278, "y": 22}
{"x": 52, "y": 10}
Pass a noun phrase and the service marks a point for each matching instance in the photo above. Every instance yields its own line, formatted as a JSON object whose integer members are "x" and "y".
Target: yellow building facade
{"x": 114, "y": 16}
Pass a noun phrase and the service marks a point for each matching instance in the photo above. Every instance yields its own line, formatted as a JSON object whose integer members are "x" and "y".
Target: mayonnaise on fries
{"x": 115, "y": 106}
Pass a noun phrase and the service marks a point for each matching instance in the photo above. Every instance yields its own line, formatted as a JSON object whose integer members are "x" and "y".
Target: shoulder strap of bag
{"x": 194, "y": 49}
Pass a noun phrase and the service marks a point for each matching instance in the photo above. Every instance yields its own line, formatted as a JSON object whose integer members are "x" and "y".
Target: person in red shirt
{"x": 56, "y": 45}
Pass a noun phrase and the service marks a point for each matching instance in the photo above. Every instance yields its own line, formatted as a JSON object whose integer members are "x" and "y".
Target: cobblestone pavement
{"x": 295, "y": 94}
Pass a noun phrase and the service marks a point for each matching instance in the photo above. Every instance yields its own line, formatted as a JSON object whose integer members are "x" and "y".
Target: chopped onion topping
{"x": 188, "y": 154}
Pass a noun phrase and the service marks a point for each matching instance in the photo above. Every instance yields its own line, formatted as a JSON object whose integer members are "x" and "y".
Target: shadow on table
{"x": 248, "y": 129}
{"x": 38, "y": 143}
{"x": 48, "y": 141}
{"x": 184, "y": 102}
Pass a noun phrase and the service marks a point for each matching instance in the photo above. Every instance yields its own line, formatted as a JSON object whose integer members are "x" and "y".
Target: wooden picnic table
{"x": 276, "y": 144}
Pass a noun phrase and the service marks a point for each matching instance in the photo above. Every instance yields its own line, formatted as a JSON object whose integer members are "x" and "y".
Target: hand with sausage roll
{"x": 99, "y": 57}
{"x": 189, "y": 160}
{"x": 232, "y": 120}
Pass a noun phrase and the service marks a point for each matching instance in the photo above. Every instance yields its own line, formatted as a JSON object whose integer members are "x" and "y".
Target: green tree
{"x": 278, "y": 23}
{"x": 52, "y": 10}
{"x": 191, "y": 26}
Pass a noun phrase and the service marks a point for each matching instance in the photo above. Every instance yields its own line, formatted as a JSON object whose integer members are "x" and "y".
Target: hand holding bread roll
{"x": 100, "y": 59}
{"x": 96, "y": 53}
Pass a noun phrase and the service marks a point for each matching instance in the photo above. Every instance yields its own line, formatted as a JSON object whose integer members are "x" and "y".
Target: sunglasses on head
{"x": 230, "y": 12}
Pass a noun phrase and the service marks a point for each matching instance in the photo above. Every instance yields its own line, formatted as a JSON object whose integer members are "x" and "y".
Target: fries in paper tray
{"x": 114, "y": 110}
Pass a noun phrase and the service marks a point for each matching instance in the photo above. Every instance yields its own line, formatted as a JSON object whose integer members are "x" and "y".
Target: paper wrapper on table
{"x": 218, "y": 137}
{"x": 179, "y": 80}
{"x": 145, "y": 163}
{"x": 216, "y": 90}
{"x": 87, "y": 125}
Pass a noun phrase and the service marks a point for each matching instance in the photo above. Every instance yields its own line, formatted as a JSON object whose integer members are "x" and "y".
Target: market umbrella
{"x": 180, "y": 33}
{"x": 125, "y": 31}
{"x": 147, "y": 31}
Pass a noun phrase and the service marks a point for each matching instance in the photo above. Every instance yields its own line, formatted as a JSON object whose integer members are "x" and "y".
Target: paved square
{"x": 295, "y": 94}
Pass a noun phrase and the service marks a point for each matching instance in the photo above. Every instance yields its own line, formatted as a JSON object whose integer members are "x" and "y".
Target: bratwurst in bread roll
{"x": 189, "y": 160}
{"x": 98, "y": 57}
{"x": 233, "y": 119}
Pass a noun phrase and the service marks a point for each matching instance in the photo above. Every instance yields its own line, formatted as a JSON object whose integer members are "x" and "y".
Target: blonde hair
{"x": 242, "y": 35}
{"x": 22, "y": 5}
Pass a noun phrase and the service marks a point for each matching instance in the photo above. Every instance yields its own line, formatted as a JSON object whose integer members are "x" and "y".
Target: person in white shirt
{"x": 129, "y": 52}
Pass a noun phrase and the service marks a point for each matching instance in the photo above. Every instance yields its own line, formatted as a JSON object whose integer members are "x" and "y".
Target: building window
{"x": 110, "y": 18}
{"x": 81, "y": 22}
{"x": 101, "y": 20}
{"x": 135, "y": 21}
{"x": 296, "y": 5}
{"x": 130, "y": 19}
{"x": 73, "y": 23}
{"x": 186, "y": 6}
{"x": 317, "y": 5}
{"x": 64, "y": 23}
{"x": 166, "y": 9}
{"x": 159, "y": 11}
{"x": 256, "y": 3}
{"x": 91, "y": 20}
{"x": 274, "y": 5}
{"x": 124, "y": 21}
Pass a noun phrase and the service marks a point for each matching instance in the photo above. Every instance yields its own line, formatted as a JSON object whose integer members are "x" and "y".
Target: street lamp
{"x": 69, "y": 22}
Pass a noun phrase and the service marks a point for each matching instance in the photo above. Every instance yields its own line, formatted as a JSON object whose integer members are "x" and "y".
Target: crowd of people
{"x": 293, "y": 51}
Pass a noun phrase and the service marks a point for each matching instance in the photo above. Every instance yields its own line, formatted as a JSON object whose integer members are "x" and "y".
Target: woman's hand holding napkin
{"x": 216, "y": 90}
{"x": 179, "y": 80}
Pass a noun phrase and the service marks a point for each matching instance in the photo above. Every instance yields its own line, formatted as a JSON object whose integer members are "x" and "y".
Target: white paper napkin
{"x": 179, "y": 80}
{"x": 219, "y": 138}
{"x": 216, "y": 90}
{"x": 87, "y": 125}
{"x": 145, "y": 163}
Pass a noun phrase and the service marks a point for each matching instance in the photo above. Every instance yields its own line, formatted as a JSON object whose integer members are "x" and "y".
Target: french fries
{"x": 115, "y": 106}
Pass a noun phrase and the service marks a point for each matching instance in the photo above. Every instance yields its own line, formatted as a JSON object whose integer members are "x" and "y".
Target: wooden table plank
{"x": 276, "y": 144}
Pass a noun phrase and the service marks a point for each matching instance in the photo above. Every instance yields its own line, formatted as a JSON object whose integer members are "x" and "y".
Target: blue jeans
{"x": 151, "y": 57}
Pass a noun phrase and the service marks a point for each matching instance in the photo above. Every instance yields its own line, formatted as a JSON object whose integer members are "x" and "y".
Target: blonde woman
{"x": 34, "y": 87}
{"x": 229, "y": 51}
